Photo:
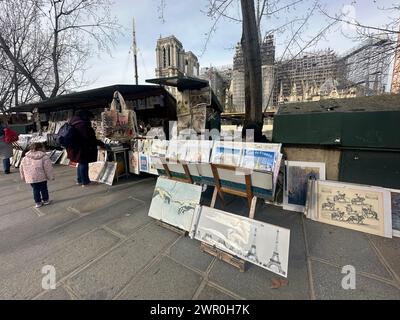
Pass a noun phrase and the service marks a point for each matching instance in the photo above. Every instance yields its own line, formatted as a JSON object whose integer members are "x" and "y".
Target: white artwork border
{"x": 302, "y": 164}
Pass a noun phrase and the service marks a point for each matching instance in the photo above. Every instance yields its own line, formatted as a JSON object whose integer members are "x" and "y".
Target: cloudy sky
{"x": 188, "y": 21}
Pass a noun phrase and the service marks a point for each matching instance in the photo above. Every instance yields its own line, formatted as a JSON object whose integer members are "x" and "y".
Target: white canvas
{"x": 296, "y": 179}
{"x": 199, "y": 151}
{"x": 177, "y": 150}
{"x": 262, "y": 244}
{"x": 174, "y": 202}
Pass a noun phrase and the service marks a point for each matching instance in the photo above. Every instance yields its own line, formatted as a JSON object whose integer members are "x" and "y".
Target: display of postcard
{"x": 177, "y": 150}
{"x": 153, "y": 161}
{"x": 147, "y": 143}
{"x": 134, "y": 162}
{"x": 262, "y": 160}
{"x": 395, "y": 205}
{"x": 199, "y": 151}
{"x": 174, "y": 202}
{"x": 262, "y": 244}
{"x": 143, "y": 162}
{"x": 159, "y": 147}
{"x": 199, "y": 118}
{"x": 227, "y": 152}
{"x": 357, "y": 207}
{"x": 296, "y": 180}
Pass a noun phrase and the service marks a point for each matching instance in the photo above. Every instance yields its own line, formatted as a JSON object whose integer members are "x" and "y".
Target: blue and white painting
{"x": 174, "y": 202}
{"x": 227, "y": 153}
{"x": 258, "y": 159}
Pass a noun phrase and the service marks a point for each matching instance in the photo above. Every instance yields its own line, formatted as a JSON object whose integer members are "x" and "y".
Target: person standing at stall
{"x": 6, "y": 150}
{"x": 84, "y": 146}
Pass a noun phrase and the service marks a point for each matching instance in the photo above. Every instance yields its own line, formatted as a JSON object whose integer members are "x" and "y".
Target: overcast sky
{"x": 187, "y": 20}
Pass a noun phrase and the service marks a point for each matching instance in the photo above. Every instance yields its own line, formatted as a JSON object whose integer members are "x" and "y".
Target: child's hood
{"x": 35, "y": 155}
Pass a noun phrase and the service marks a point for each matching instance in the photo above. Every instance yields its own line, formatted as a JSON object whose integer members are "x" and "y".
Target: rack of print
{"x": 226, "y": 179}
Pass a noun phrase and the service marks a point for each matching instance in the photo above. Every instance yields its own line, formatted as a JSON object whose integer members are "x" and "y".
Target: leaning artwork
{"x": 297, "y": 175}
{"x": 262, "y": 244}
{"x": 395, "y": 204}
{"x": 174, "y": 202}
{"x": 362, "y": 208}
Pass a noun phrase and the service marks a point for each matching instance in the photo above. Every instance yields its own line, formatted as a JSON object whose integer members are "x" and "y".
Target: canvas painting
{"x": 262, "y": 244}
{"x": 134, "y": 162}
{"x": 144, "y": 162}
{"x": 228, "y": 153}
{"x": 182, "y": 103}
{"x": 262, "y": 160}
{"x": 55, "y": 156}
{"x": 297, "y": 175}
{"x": 362, "y": 208}
{"x": 102, "y": 172}
{"x": 109, "y": 173}
{"x": 200, "y": 97}
{"x": 64, "y": 158}
{"x": 174, "y": 202}
{"x": 395, "y": 204}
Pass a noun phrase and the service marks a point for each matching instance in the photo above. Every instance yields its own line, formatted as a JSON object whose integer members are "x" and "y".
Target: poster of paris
{"x": 262, "y": 244}
{"x": 355, "y": 207}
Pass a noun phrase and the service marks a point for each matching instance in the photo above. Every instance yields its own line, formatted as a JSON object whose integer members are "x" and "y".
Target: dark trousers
{"x": 6, "y": 165}
{"x": 40, "y": 192}
{"x": 83, "y": 173}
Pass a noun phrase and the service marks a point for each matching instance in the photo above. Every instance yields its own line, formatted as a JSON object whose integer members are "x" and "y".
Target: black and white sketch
{"x": 260, "y": 243}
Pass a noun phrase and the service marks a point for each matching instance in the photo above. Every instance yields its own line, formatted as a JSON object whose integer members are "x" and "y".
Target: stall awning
{"x": 94, "y": 98}
{"x": 182, "y": 83}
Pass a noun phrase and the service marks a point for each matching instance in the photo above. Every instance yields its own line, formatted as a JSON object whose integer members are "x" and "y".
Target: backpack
{"x": 65, "y": 136}
{"x": 10, "y": 135}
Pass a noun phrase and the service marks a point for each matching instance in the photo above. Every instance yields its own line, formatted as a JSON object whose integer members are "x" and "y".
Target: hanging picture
{"x": 200, "y": 97}
{"x": 182, "y": 103}
{"x": 357, "y": 207}
{"x": 227, "y": 152}
{"x": 134, "y": 162}
{"x": 199, "y": 118}
{"x": 102, "y": 155}
{"x": 174, "y": 202}
{"x": 184, "y": 122}
{"x": 262, "y": 244}
{"x": 143, "y": 162}
{"x": 296, "y": 179}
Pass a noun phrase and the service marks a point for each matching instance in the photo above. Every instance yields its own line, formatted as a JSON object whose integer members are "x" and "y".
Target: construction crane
{"x": 395, "y": 87}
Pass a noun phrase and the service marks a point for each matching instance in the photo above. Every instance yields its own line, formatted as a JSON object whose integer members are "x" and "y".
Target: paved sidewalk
{"x": 104, "y": 246}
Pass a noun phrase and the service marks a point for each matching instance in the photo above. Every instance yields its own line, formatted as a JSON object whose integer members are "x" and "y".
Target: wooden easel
{"x": 187, "y": 179}
{"x": 219, "y": 190}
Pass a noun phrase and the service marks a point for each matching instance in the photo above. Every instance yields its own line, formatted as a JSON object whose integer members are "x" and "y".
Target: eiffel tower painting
{"x": 252, "y": 253}
{"x": 274, "y": 260}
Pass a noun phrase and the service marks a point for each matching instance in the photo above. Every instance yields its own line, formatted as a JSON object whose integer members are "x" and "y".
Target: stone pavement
{"x": 104, "y": 246}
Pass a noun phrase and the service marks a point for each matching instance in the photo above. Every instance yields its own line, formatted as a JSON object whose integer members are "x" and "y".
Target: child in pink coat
{"x": 36, "y": 168}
